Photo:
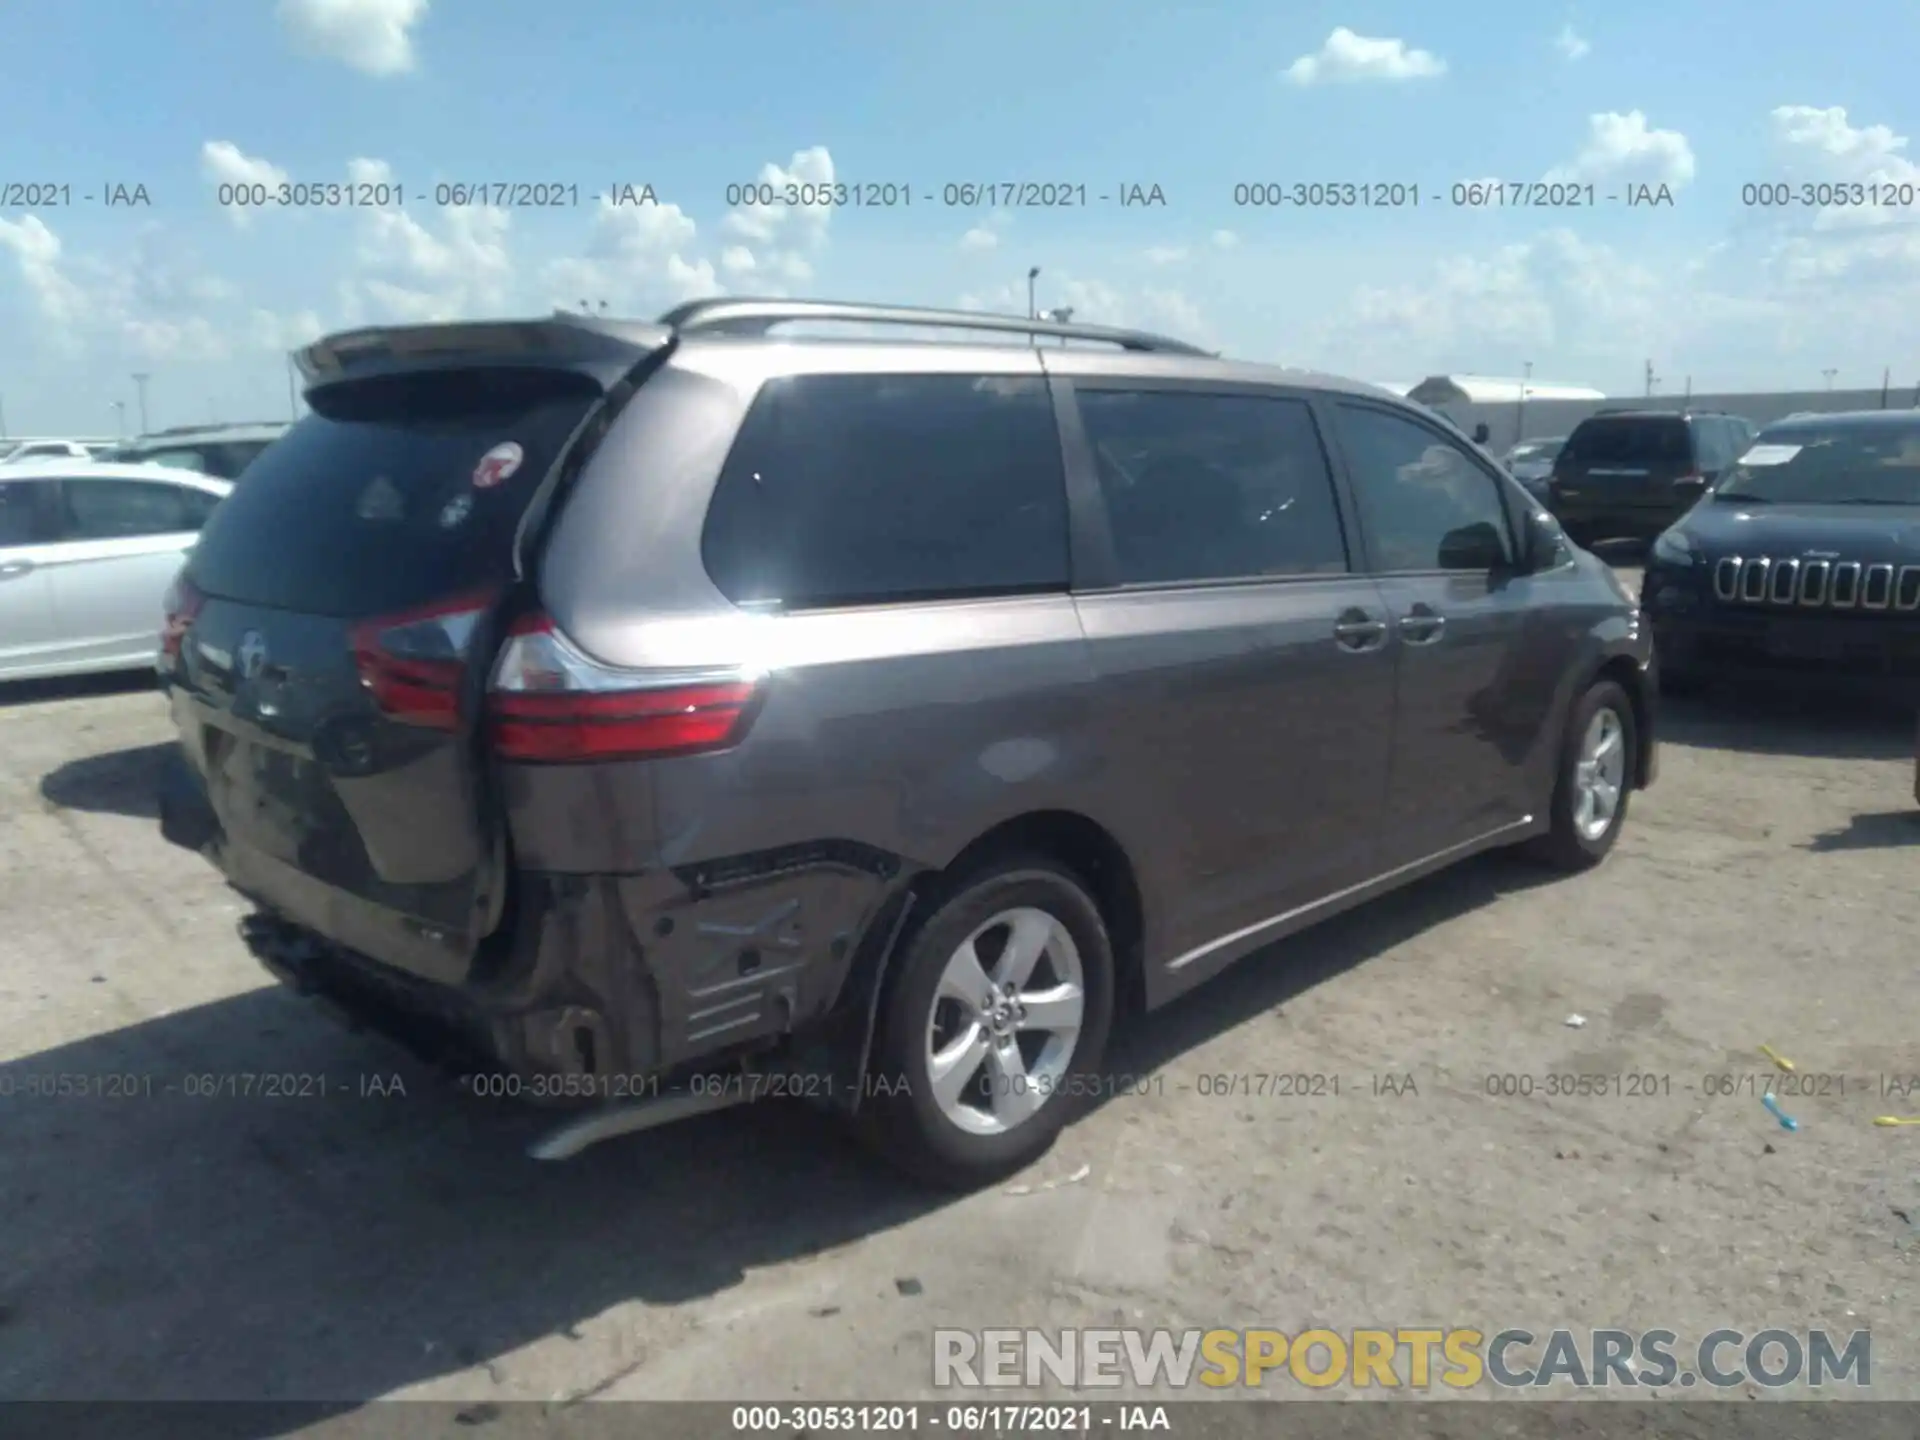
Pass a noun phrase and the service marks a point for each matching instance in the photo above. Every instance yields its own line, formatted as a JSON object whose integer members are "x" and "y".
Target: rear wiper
{"x": 1742, "y": 496}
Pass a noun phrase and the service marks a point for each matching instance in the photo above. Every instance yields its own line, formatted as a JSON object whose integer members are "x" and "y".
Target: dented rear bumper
{"x": 613, "y": 982}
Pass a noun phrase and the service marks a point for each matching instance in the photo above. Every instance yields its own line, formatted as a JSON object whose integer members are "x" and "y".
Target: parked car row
{"x": 87, "y": 550}
{"x": 582, "y": 699}
{"x": 90, "y": 542}
{"x": 20, "y": 451}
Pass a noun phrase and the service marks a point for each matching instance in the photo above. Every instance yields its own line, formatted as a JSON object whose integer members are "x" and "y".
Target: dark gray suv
{"x": 653, "y": 716}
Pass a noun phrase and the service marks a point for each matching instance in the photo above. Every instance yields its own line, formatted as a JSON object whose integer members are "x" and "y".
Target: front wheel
{"x": 1597, "y": 764}
{"x": 993, "y": 1029}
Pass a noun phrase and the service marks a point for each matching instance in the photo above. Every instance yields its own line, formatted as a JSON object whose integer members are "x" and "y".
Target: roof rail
{"x": 757, "y": 317}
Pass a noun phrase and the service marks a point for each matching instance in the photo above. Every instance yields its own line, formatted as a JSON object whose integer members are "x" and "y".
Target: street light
{"x": 1830, "y": 373}
{"x": 1032, "y": 275}
{"x": 1520, "y": 406}
{"x": 140, "y": 379}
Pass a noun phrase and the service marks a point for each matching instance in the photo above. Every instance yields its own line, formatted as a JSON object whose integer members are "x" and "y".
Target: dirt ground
{"x": 378, "y": 1244}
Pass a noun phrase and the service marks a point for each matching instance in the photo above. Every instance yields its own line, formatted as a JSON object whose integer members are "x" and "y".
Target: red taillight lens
{"x": 412, "y": 663}
{"x": 179, "y": 610}
{"x": 551, "y": 703}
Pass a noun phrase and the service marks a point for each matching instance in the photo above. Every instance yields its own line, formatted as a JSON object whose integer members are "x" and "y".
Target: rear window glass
{"x": 857, "y": 489}
{"x": 1630, "y": 440}
{"x": 375, "y": 502}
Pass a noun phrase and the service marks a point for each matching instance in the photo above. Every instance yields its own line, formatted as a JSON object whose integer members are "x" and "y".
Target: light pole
{"x": 1520, "y": 406}
{"x": 1032, "y": 275}
{"x": 140, "y": 379}
{"x": 1829, "y": 373}
{"x": 119, "y": 408}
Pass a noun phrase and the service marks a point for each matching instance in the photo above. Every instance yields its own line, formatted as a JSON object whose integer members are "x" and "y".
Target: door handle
{"x": 14, "y": 569}
{"x": 1422, "y": 625}
{"x": 1356, "y": 630}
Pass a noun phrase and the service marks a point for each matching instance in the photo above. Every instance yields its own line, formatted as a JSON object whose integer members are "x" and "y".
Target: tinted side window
{"x": 1712, "y": 445}
{"x": 856, "y": 489}
{"x": 1213, "y": 487}
{"x": 195, "y": 507}
{"x": 1425, "y": 504}
{"x": 117, "y": 509}
{"x": 20, "y": 517}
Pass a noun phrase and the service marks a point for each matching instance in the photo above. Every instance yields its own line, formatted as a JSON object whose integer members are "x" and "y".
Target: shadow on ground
{"x": 120, "y": 782}
{"x": 339, "y": 1246}
{"x": 1780, "y": 722}
{"x": 75, "y": 687}
{"x": 1887, "y": 830}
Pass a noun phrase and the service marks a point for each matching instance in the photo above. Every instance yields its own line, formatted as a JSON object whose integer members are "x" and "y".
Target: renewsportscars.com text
{"x": 1411, "y": 1358}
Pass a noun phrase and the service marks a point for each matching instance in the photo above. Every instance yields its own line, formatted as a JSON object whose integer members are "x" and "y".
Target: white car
{"x": 25, "y": 452}
{"x": 87, "y": 551}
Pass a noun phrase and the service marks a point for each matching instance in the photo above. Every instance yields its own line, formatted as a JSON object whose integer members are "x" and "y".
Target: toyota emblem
{"x": 252, "y": 655}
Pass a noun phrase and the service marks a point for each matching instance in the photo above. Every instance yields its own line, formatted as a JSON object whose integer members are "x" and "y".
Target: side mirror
{"x": 1545, "y": 543}
{"x": 1472, "y": 547}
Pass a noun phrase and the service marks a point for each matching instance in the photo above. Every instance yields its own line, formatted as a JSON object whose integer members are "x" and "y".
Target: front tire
{"x": 1599, "y": 756}
{"x": 993, "y": 1029}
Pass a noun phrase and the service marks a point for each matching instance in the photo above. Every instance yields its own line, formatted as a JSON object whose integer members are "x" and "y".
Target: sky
{"x": 118, "y": 256}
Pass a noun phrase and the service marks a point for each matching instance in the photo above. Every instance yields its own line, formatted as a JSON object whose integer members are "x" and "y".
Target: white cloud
{"x": 1225, "y": 240}
{"x": 406, "y": 271}
{"x": 782, "y": 237}
{"x": 1165, "y": 254}
{"x": 979, "y": 238}
{"x": 270, "y": 330}
{"x": 1626, "y": 147}
{"x": 224, "y": 163}
{"x": 1571, "y": 43}
{"x": 1095, "y": 302}
{"x": 372, "y": 36}
{"x": 1347, "y": 56}
{"x": 737, "y": 260}
{"x": 139, "y": 303}
{"x": 1868, "y": 246}
{"x": 1822, "y": 146}
{"x": 637, "y": 259}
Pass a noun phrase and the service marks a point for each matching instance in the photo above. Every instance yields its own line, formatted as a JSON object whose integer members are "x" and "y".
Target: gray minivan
{"x": 650, "y": 716}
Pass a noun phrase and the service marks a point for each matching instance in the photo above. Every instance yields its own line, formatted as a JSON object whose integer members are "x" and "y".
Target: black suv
{"x": 1629, "y": 474}
{"x": 636, "y": 701}
{"x": 1803, "y": 561}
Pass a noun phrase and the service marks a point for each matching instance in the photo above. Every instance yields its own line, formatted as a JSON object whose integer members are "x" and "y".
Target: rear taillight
{"x": 412, "y": 663}
{"x": 179, "y": 610}
{"x": 550, "y": 703}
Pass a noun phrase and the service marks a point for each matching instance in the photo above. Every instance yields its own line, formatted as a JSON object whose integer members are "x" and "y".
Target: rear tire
{"x": 915, "y": 1111}
{"x": 1599, "y": 756}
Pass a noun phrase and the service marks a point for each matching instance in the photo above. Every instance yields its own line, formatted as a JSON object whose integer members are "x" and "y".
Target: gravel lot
{"x": 352, "y": 1247}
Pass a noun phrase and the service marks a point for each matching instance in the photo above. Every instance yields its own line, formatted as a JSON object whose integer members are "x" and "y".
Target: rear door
{"x": 1618, "y": 472}
{"x": 121, "y": 541}
{"x": 1244, "y": 664}
{"x": 325, "y": 689}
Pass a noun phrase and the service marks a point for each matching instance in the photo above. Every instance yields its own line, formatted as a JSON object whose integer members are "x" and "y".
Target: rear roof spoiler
{"x": 605, "y": 350}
